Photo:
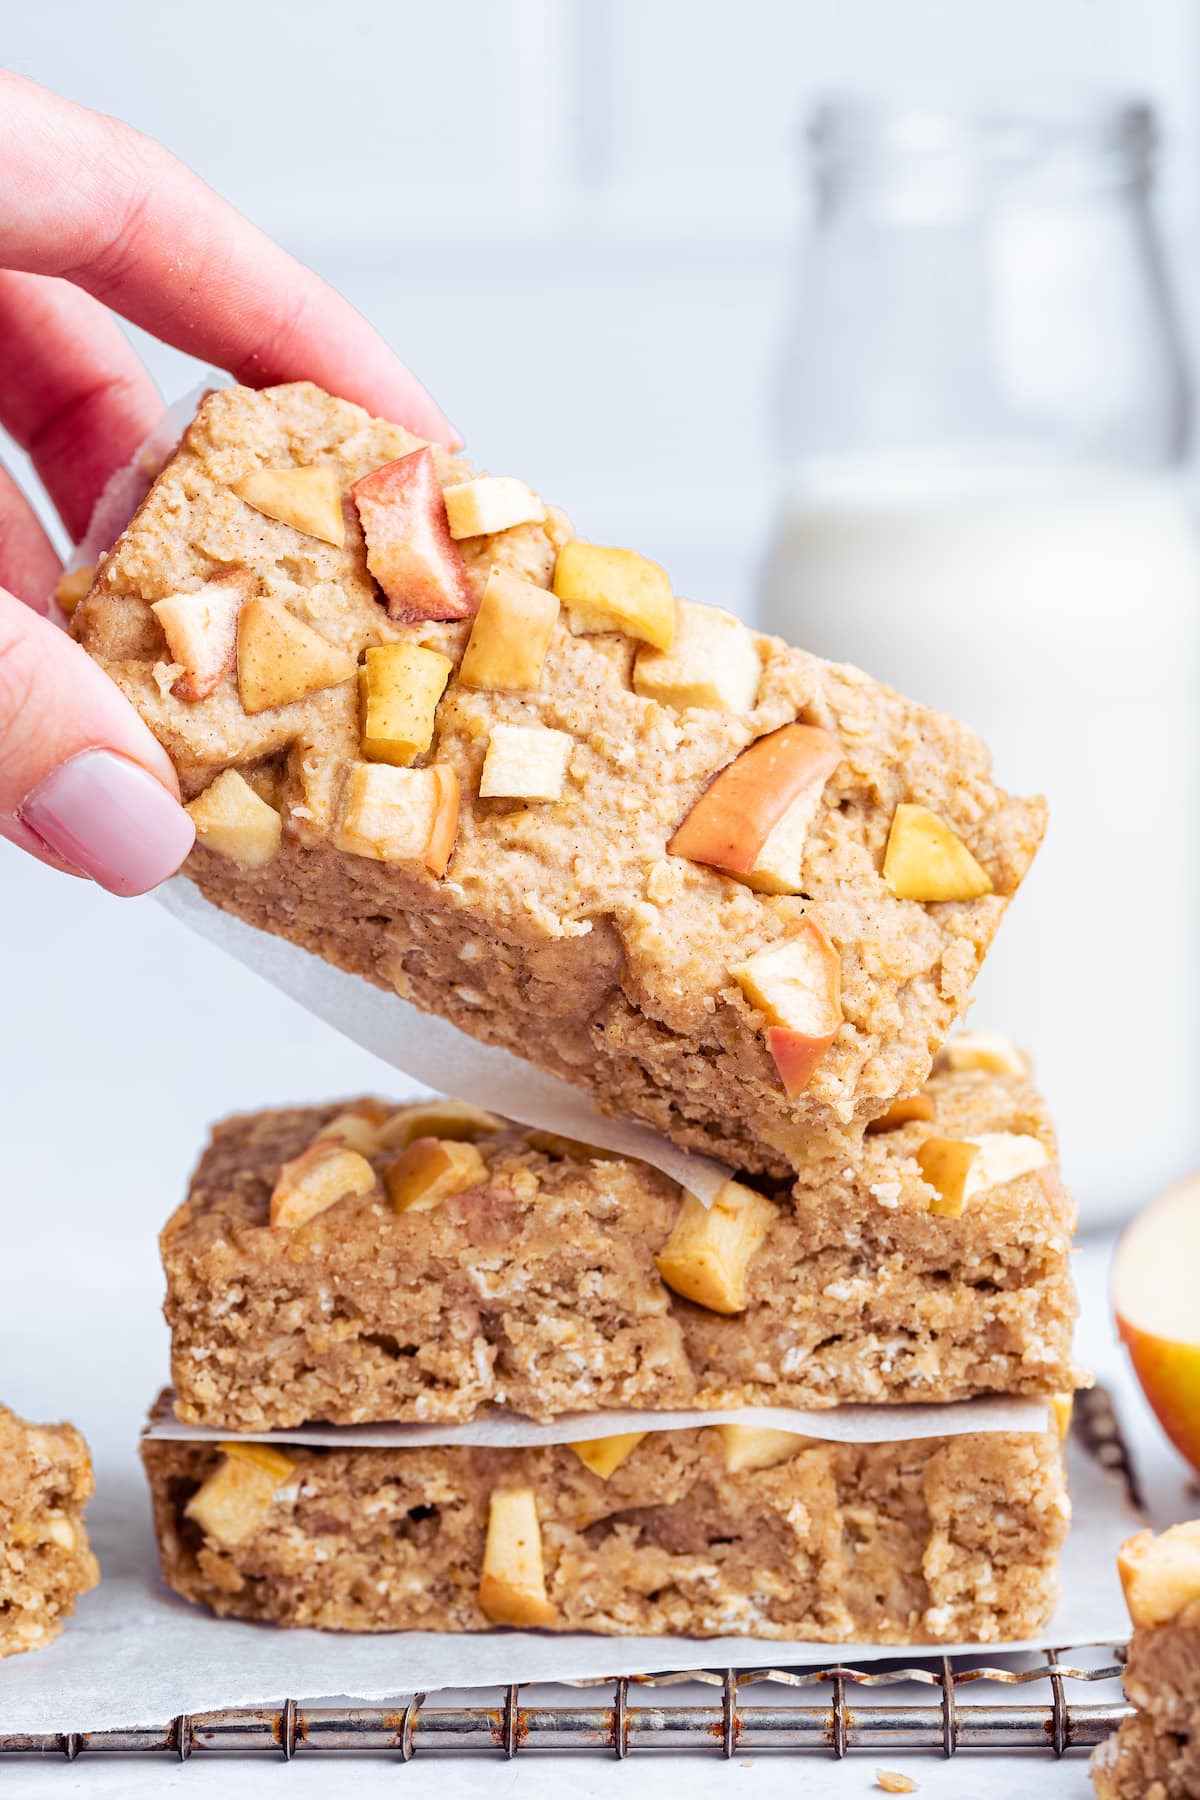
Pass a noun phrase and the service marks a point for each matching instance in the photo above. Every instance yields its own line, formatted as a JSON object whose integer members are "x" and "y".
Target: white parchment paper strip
{"x": 136, "y": 1655}
{"x": 505, "y": 1430}
{"x": 431, "y": 1050}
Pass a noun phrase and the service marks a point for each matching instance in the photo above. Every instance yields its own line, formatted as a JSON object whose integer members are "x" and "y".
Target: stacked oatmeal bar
{"x": 721, "y": 887}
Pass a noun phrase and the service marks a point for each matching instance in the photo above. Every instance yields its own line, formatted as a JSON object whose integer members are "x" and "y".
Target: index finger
{"x": 89, "y": 198}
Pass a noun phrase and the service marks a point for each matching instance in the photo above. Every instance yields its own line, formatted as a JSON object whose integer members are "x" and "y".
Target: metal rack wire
{"x": 833, "y": 1721}
{"x": 732, "y": 1723}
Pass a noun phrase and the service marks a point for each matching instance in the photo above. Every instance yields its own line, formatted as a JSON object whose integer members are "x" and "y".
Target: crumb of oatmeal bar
{"x": 1155, "y": 1755}
{"x": 931, "y": 1540}
{"x": 45, "y": 1563}
{"x": 439, "y": 1260}
{"x": 555, "y": 897}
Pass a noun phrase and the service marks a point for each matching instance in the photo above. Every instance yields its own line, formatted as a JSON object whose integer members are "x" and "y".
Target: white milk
{"x": 1057, "y": 612}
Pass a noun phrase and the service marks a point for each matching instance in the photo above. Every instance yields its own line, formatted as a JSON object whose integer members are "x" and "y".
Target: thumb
{"x": 84, "y": 785}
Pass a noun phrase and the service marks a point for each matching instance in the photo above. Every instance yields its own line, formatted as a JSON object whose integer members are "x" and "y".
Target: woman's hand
{"x": 92, "y": 216}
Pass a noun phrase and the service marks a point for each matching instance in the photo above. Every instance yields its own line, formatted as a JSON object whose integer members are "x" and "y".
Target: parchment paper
{"x": 136, "y": 1655}
{"x": 505, "y": 1430}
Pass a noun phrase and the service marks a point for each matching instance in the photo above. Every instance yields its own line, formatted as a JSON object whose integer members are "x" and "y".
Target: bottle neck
{"x": 994, "y": 287}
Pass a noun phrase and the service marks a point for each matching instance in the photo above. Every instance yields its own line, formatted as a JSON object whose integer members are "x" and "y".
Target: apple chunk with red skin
{"x": 1158, "y": 1316}
{"x": 752, "y": 819}
{"x": 410, "y": 551}
{"x": 798, "y": 985}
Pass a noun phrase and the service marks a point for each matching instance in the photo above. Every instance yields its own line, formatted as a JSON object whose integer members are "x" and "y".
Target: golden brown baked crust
{"x": 45, "y": 1563}
{"x": 571, "y": 914}
{"x": 537, "y": 1288}
{"x": 938, "y": 1539}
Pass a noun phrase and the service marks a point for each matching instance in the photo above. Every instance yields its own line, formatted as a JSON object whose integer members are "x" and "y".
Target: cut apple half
{"x": 798, "y": 986}
{"x": 1154, "y": 1294}
{"x": 410, "y": 551}
{"x": 1160, "y": 1576}
{"x": 754, "y": 817}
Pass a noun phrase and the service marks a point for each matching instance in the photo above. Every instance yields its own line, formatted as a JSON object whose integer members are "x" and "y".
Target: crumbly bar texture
{"x": 1155, "y": 1755}
{"x": 537, "y": 1287}
{"x": 937, "y": 1539}
{"x": 566, "y": 912}
{"x": 45, "y": 1563}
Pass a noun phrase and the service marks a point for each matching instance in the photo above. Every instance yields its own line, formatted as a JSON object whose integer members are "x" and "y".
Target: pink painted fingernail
{"x": 112, "y": 820}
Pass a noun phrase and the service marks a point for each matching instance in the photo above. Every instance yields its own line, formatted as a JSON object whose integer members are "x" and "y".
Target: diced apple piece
{"x": 754, "y": 817}
{"x": 455, "y": 1120}
{"x": 402, "y": 684}
{"x": 309, "y": 498}
{"x": 512, "y": 1585}
{"x": 615, "y": 590}
{"x": 1061, "y": 1407}
{"x": 525, "y": 762}
{"x": 708, "y": 1254}
{"x": 237, "y": 1497}
{"x": 711, "y": 663}
{"x": 490, "y": 503}
{"x": 510, "y": 637}
{"x": 926, "y": 861}
{"x": 316, "y": 1180}
{"x": 798, "y": 985}
{"x": 400, "y": 815}
{"x": 757, "y": 1447}
{"x": 409, "y": 548}
{"x": 569, "y": 1149}
{"x": 72, "y": 585}
{"x": 281, "y": 659}
{"x": 902, "y": 1112}
{"x": 961, "y": 1168}
{"x": 233, "y": 820}
{"x": 430, "y": 1170}
{"x": 1160, "y": 1575}
{"x": 603, "y": 1455}
{"x": 201, "y": 631}
{"x": 990, "y": 1051}
{"x": 357, "y": 1127}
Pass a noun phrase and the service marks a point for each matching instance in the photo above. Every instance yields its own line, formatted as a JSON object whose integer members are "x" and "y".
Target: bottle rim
{"x": 1022, "y": 130}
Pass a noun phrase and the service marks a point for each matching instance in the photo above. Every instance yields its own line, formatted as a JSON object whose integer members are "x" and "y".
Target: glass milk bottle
{"x": 984, "y": 412}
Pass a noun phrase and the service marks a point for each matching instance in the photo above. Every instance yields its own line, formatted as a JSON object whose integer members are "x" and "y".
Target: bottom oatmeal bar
{"x": 700, "y": 1532}
{"x": 45, "y": 1563}
{"x": 1155, "y": 1755}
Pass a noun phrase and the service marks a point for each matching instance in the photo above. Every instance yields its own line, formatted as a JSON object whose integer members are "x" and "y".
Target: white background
{"x": 577, "y": 220}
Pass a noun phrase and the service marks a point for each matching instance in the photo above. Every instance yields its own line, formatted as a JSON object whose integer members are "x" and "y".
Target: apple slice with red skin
{"x": 409, "y": 548}
{"x": 798, "y": 985}
{"x": 1158, "y": 1316}
{"x": 736, "y": 814}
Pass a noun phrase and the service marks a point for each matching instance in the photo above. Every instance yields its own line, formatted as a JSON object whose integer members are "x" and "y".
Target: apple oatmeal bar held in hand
{"x": 365, "y": 1263}
{"x": 726, "y": 888}
{"x": 45, "y": 1563}
{"x": 728, "y": 1529}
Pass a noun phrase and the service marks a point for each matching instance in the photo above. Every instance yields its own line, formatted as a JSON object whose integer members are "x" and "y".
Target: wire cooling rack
{"x": 821, "y": 1712}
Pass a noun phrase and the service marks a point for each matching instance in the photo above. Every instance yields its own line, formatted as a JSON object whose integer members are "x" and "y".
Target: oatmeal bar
{"x": 425, "y": 1279}
{"x": 1155, "y": 1755}
{"x": 727, "y": 888}
{"x": 45, "y": 1563}
{"x": 698, "y": 1532}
